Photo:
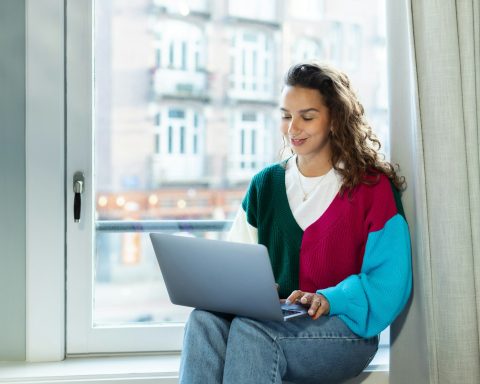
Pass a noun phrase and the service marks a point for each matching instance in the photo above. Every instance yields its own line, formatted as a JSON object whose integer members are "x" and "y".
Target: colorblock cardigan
{"x": 356, "y": 254}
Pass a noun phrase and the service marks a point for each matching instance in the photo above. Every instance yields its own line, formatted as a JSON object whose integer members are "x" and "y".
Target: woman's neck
{"x": 311, "y": 166}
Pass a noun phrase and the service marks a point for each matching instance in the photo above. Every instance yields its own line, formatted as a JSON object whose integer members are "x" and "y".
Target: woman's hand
{"x": 319, "y": 305}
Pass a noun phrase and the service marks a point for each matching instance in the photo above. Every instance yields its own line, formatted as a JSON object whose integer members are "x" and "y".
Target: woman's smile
{"x": 297, "y": 142}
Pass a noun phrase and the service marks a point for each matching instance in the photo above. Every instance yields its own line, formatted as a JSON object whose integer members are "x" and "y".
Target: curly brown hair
{"x": 352, "y": 141}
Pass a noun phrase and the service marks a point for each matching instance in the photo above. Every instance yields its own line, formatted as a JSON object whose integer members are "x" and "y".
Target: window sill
{"x": 145, "y": 369}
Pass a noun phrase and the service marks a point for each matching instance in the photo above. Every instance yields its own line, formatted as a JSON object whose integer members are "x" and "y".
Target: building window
{"x": 336, "y": 43}
{"x": 170, "y": 139}
{"x": 182, "y": 139}
{"x": 308, "y": 49}
{"x": 157, "y": 143}
{"x": 185, "y": 44}
{"x": 176, "y": 113}
{"x": 250, "y": 150}
{"x": 158, "y": 57}
{"x": 157, "y": 132}
{"x": 252, "y": 54}
{"x": 179, "y": 131}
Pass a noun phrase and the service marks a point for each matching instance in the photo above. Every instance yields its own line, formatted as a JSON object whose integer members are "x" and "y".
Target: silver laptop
{"x": 221, "y": 276}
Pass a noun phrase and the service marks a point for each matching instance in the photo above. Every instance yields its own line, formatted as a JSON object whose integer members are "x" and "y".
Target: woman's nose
{"x": 292, "y": 127}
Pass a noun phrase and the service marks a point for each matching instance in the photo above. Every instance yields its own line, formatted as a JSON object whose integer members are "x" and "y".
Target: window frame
{"x": 250, "y": 62}
{"x": 81, "y": 336}
{"x": 45, "y": 187}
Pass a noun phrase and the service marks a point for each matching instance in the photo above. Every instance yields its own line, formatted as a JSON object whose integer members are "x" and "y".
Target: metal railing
{"x": 162, "y": 225}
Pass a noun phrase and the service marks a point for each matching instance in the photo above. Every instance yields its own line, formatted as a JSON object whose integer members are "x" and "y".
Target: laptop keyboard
{"x": 287, "y": 312}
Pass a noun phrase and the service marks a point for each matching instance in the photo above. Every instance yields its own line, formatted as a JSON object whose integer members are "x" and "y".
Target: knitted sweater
{"x": 357, "y": 253}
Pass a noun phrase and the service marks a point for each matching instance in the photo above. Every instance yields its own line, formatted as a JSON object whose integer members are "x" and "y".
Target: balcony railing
{"x": 181, "y": 83}
{"x": 162, "y": 225}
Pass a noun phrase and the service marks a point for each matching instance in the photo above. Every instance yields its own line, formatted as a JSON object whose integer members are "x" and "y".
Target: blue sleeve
{"x": 370, "y": 301}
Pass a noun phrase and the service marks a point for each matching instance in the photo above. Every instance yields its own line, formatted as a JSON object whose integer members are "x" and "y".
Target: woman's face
{"x": 305, "y": 120}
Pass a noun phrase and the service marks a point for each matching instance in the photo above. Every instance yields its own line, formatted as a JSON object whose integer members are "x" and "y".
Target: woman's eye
{"x": 285, "y": 117}
{"x": 307, "y": 118}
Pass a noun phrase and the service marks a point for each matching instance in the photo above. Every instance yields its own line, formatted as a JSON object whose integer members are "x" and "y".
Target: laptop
{"x": 221, "y": 276}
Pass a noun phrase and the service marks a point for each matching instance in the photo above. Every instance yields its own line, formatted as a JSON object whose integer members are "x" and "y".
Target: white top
{"x": 320, "y": 191}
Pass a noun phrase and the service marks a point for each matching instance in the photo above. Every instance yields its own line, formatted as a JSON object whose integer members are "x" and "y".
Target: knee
{"x": 205, "y": 319}
{"x": 241, "y": 324}
{"x": 199, "y": 317}
{"x": 245, "y": 327}
{"x": 198, "y": 323}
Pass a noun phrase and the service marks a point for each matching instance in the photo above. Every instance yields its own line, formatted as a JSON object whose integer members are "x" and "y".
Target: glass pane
{"x": 186, "y": 113}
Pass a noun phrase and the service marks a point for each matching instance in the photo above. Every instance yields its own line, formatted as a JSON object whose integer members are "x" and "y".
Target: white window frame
{"x": 170, "y": 132}
{"x": 251, "y": 62}
{"x": 171, "y": 42}
{"x": 262, "y": 128}
{"x": 45, "y": 187}
{"x": 81, "y": 336}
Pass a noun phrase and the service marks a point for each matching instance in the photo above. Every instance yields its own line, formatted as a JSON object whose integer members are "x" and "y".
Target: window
{"x": 252, "y": 55}
{"x": 250, "y": 149}
{"x": 336, "y": 42}
{"x": 183, "y": 41}
{"x": 354, "y": 46}
{"x": 179, "y": 155}
{"x": 168, "y": 125}
{"x": 157, "y": 133}
{"x": 308, "y": 49}
{"x": 180, "y": 54}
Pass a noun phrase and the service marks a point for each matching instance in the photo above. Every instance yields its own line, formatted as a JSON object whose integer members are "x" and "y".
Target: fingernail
{"x": 288, "y": 302}
{"x": 310, "y": 312}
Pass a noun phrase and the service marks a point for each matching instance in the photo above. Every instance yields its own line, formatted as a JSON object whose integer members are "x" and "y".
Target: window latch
{"x": 78, "y": 185}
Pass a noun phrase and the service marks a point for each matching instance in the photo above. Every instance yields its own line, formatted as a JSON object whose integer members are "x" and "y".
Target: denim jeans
{"x": 221, "y": 348}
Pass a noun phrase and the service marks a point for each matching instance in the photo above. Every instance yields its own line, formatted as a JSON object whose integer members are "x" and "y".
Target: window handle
{"x": 78, "y": 184}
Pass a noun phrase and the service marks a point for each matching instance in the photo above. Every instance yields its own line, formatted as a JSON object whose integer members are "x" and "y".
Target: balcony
{"x": 177, "y": 168}
{"x": 181, "y": 84}
{"x": 191, "y": 8}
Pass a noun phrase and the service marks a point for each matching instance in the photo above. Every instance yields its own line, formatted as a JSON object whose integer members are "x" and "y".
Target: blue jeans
{"x": 220, "y": 348}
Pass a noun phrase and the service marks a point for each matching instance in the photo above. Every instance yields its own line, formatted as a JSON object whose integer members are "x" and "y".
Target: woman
{"x": 331, "y": 218}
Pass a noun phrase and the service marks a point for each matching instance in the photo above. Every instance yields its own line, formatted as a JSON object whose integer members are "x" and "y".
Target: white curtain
{"x": 434, "y": 53}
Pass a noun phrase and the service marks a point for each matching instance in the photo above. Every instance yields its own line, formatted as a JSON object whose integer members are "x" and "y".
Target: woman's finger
{"x": 315, "y": 306}
{"x": 323, "y": 308}
{"x": 306, "y": 298}
{"x": 294, "y": 296}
